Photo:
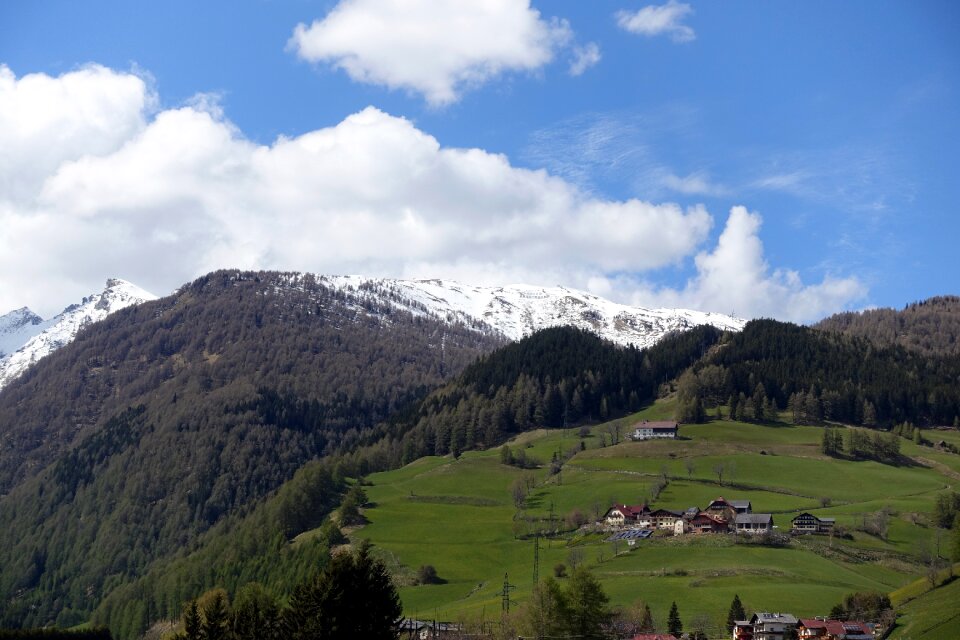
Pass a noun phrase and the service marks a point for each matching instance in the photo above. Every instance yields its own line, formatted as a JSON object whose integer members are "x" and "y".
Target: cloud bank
{"x": 438, "y": 49}
{"x": 161, "y": 197}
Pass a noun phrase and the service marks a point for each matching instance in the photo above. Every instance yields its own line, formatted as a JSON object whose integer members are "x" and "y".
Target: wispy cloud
{"x": 654, "y": 20}
{"x": 584, "y": 57}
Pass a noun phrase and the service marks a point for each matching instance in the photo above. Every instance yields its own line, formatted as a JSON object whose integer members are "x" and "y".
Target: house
{"x": 665, "y": 518}
{"x": 722, "y": 508}
{"x": 655, "y": 430}
{"x": 772, "y": 626}
{"x": 621, "y": 515}
{"x": 705, "y": 522}
{"x": 825, "y": 629}
{"x": 654, "y": 636}
{"x": 754, "y": 523}
{"x": 742, "y": 630}
{"x": 809, "y": 523}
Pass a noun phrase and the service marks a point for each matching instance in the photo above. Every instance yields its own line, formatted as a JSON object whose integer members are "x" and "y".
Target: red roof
{"x": 836, "y": 627}
{"x": 630, "y": 511}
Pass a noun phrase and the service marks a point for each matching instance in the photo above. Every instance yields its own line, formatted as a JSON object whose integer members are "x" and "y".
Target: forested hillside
{"x": 825, "y": 376}
{"x": 930, "y": 327}
{"x": 156, "y": 424}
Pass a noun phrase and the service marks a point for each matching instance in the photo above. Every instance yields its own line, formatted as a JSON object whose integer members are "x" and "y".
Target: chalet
{"x": 754, "y": 523}
{"x": 705, "y": 522}
{"x": 772, "y": 626}
{"x": 655, "y": 430}
{"x": 824, "y": 629}
{"x": 809, "y": 523}
{"x": 722, "y": 508}
{"x": 621, "y": 515}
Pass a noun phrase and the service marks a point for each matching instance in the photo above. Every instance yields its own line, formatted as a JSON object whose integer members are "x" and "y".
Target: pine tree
{"x": 736, "y": 613}
{"x": 674, "y": 625}
{"x": 587, "y": 605}
{"x": 646, "y": 622}
{"x": 191, "y": 621}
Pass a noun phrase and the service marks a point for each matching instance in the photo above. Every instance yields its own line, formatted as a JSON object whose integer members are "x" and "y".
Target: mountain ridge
{"x": 26, "y": 338}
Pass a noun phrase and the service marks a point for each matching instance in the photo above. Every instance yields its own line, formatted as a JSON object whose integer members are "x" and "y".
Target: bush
{"x": 427, "y": 574}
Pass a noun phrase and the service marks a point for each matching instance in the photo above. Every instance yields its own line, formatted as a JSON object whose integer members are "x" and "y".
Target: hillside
{"x": 778, "y": 467}
{"x": 930, "y": 327}
{"x": 160, "y": 421}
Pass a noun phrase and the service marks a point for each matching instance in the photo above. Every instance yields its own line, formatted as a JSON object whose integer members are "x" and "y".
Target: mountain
{"x": 929, "y": 327}
{"x": 514, "y": 311}
{"x": 520, "y": 310}
{"x": 25, "y": 338}
{"x": 167, "y": 417}
{"x": 16, "y": 328}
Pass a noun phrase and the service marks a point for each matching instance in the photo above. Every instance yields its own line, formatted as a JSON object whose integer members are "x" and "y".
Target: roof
{"x": 655, "y": 424}
{"x": 719, "y": 502}
{"x": 654, "y": 636}
{"x": 839, "y": 628}
{"x": 630, "y": 511}
{"x": 763, "y": 616}
{"x": 666, "y": 512}
{"x": 741, "y": 504}
{"x": 754, "y": 518}
{"x": 709, "y": 516}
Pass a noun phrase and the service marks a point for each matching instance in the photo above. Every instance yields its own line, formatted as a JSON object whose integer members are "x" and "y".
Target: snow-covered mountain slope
{"x": 25, "y": 338}
{"x": 17, "y": 327}
{"x": 519, "y": 310}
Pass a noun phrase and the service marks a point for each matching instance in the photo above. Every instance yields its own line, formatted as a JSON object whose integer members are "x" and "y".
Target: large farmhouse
{"x": 655, "y": 430}
{"x": 809, "y": 523}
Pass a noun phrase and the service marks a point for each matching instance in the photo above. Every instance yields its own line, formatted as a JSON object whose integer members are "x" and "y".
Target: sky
{"x": 752, "y": 158}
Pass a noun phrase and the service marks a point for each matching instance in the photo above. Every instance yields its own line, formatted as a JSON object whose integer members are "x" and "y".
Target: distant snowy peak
{"x": 519, "y": 310}
{"x": 30, "y": 338}
{"x": 16, "y": 328}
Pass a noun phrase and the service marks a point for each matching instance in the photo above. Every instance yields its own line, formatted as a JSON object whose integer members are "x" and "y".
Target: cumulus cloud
{"x": 735, "y": 278}
{"x": 584, "y": 57}
{"x": 184, "y": 192}
{"x": 654, "y": 20}
{"x": 434, "y": 48}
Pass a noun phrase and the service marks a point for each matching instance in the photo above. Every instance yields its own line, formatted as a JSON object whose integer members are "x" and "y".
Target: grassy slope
{"x": 934, "y": 615}
{"x": 458, "y": 515}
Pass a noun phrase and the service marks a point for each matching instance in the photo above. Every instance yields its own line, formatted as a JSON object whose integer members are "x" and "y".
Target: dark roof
{"x": 631, "y": 534}
{"x": 741, "y": 504}
{"x": 655, "y": 424}
{"x": 754, "y": 518}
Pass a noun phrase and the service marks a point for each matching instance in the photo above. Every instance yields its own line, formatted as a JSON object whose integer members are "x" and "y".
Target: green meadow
{"x": 459, "y": 516}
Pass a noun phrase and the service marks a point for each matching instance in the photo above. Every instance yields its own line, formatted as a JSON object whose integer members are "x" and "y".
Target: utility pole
{"x": 507, "y": 588}
{"x": 536, "y": 559}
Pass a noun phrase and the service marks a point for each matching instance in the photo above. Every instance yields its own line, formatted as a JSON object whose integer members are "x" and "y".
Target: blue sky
{"x": 755, "y": 158}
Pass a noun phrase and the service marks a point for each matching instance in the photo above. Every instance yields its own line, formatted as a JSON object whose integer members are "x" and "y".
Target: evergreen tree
{"x": 587, "y": 607}
{"x": 544, "y": 614}
{"x": 191, "y": 622}
{"x": 736, "y": 613}
{"x": 216, "y": 618}
{"x": 674, "y": 625}
{"x": 646, "y": 621}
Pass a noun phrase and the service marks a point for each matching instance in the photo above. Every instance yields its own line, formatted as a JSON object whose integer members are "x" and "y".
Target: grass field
{"x": 459, "y": 516}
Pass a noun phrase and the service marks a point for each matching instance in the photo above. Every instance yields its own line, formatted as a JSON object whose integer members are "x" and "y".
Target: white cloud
{"x": 434, "y": 48}
{"x": 735, "y": 278}
{"x": 184, "y": 193}
{"x": 584, "y": 57}
{"x": 697, "y": 183}
{"x": 654, "y": 20}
